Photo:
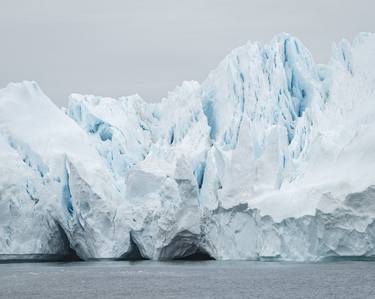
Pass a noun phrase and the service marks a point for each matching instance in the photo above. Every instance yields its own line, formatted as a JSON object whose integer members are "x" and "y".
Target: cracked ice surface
{"x": 272, "y": 156}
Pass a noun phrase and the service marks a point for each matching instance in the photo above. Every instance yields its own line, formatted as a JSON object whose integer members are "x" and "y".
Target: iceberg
{"x": 271, "y": 157}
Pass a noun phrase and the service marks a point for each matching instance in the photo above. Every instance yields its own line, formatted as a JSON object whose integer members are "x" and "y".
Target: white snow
{"x": 272, "y": 156}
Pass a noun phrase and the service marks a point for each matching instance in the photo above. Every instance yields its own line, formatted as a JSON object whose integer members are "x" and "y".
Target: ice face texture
{"x": 271, "y": 157}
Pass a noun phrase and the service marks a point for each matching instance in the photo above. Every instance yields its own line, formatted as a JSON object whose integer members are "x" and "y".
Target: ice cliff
{"x": 271, "y": 157}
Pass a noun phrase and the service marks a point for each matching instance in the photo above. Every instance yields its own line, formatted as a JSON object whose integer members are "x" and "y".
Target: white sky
{"x": 120, "y": 47}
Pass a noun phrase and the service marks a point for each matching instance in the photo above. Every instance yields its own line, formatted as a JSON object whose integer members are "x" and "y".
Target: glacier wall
{"x": 271, "y": 157}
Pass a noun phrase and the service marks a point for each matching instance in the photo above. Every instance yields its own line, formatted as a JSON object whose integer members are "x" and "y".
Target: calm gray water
{"x": 211, "y": 279}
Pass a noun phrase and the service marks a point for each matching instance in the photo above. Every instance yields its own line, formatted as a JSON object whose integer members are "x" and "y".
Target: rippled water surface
{"x": 203, "y": 279}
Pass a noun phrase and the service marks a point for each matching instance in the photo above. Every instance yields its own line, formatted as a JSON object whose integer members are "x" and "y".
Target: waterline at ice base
{"x": 271, "y": 157}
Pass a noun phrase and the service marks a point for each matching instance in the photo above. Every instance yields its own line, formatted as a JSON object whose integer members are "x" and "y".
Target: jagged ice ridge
{"x": 271, "y": 157}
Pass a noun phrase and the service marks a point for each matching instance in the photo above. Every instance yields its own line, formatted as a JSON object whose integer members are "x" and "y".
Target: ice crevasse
{"x": 271, "y": 157}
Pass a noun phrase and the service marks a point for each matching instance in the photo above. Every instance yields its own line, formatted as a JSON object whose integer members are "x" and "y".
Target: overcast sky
{"x": 120, "y": 47}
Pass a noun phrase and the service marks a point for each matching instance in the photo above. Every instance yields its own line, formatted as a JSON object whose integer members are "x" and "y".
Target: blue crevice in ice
{"x": 297, "y": 88}
{"x": 29, "y": 157}
{"x": 30, "y": 190}
{"x": 90, "y": 123}
{"x": 143, "y": 127}
{"x": 66, "y": 195}
{"x": 156, "y": 115}
{"x": 242, "y": 77}
{"x": 297, "y": 91}
{"x": 242, "y": 111}
{"x": 75, "y": 112}
{"x": 171, "y": 135}
{"x": 199, "y": 173}
{"x": 346, "y": 56}
{"x": 229, "y": 138}
{"x": 209, "y": 111}
{"x": 105, "y": 132}
{"x": 101, "y": 128}
{"x": 109, "y": 147}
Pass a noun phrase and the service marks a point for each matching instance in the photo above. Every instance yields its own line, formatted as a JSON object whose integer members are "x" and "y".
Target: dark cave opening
{"x": 134, "y": 254}
{"x": 185, "y": 246}
{"x": 198, "y": 255}
{"x": 70, "y": 255}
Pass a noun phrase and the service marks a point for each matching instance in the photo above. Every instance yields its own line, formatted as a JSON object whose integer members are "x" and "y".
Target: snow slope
{"x": 272, "y": 156}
